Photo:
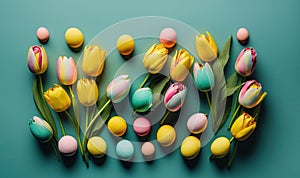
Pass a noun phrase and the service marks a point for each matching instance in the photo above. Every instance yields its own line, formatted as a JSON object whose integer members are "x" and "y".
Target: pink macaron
{"x": 197, "y": 123}
{"x": 67, "y": 145}
{"x": 168, "y": 37}
{"x": 42, "y": 34}
{"x": 141, "y": 126}
{"x": 148, "y": 150}
{"x": 242, "y": 35}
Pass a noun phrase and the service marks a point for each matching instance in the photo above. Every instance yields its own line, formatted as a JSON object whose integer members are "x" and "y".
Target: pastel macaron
{"x": 242, "y": 35}
{"x": 67, "y": 145}
{"x": 74, "y": 38}
{"x": 197, "y": 123}
{"x": 166, "y": 135}
{"x": 148, "y": 150}
{"x": 125, "y": 44}
{"x": 42, "y": 34}
{"x": 190, "y": 147}
{"x": 168, "y": 37}
{"x": 141, "y": 126}
{"x": 220, "y": 147}
{"x": 125, "y": 150}
{"x": 117, "y": 126}
{"x": 96, "y": 146}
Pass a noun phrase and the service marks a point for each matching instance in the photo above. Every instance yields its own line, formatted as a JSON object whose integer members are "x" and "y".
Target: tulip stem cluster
{"x": 76, "y": 126}
{"x": 54, "y": 147}
{"x": 87, "y": 117}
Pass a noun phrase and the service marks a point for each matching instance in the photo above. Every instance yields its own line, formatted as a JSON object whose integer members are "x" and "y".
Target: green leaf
{"x": 230, "y": 91}
{"x": 37, "y": 99}
{"x": 232, "y": 80}
{"x": 226, "y": 112}
{"x": 157, "y": 88}
{"x": 224, "y": 54}
{"x": 97, "y": 125}
{"x": 38, "y": 94}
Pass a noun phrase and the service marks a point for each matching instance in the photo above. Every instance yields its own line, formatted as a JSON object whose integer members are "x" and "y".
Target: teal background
{"x": 274, "y": 28}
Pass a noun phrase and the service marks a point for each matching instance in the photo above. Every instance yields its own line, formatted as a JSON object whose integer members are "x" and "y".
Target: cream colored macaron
{"x": 125, "y": 44}
{"x": 96, "y": 146}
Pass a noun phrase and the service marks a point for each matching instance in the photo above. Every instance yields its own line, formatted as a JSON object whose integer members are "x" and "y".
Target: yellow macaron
{"x": 74, "y": 38}
{"x": 166, "y": 135}
{"x": 125, "y": 44}
{"x": 190, "y": 147}
{"x": 117, "y": 126}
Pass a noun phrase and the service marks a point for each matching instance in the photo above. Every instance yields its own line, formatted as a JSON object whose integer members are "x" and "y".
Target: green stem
{"x": 210, "y": 107}
{"x": 233, "y": 116}
{"x": 145, "y": 80}
{"x": 97, "y": 115}
{"x": 86, "y": 117}
{"x": 233, "y": 154}
{"x": 164, "y": 118}
{"x": 78, "y": 137}
{"x": 53, "y": 144}
{"x": 232, "y": 138}
{"x": 61, "y": 126}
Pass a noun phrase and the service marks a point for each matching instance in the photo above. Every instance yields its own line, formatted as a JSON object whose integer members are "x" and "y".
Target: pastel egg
{"x": 42, "y": 34}
{"x": 242, "y": 35}
{"x": 166, "y": 135}
{"x": 74, "y": 38}
{"x": 168, "y": 37}
{"x": 220, "y": 147}
{"x": 125, "y": 44}
{"x": 125, "y": 150}
{"x": 141, "y": 126}
{"x": 190, "y": 147}
{"x": 96, "y": 146}
{"x": 117, "y": 126}
{"x": 67, "y": 145}
{"x": 197, "y": 123}
{"x": 148, "y": 150}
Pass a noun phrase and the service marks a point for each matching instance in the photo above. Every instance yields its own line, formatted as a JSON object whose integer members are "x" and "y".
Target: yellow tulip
{"x": 180, "y": 65}
{"x": 155, "y": 58}
{"x": 206, "y": 47}
{"x": 87, "y": 91}
{"x": 93, "y": 60}
{"x": 57, "y": 98}
{"x": 243, "y": 127}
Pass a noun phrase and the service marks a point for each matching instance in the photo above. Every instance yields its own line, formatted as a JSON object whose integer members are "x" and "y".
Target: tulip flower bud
{"x": 174, "y": 97}
{"x": 206, "y": 47}
{"x": 93, "y": 60}
{"x": 220, "y": 147}
{"x": 142, "y": 99}
{"x": 246, "y": 62}
{"x": 118, "y": 88}
{"x": 57, "y": 98}
{"x": 243, "y": 127}
{"x": 251, "y": 94}
{"x": 204, "y": 77}
{"x": 66, "y": 70}
{"x": 87, "y": 91}
{"x": 37, "y": 59}
{"x": 180, "y": 65}
{"x": 155, "y": 58}
{"x": 40, "y": 129}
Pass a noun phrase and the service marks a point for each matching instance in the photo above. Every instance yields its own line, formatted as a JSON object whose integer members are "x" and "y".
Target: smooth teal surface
{"x": 274, "y": 32}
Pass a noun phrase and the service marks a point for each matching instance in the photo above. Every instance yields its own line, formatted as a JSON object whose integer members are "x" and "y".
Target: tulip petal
{"x": 245, "y": 133}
